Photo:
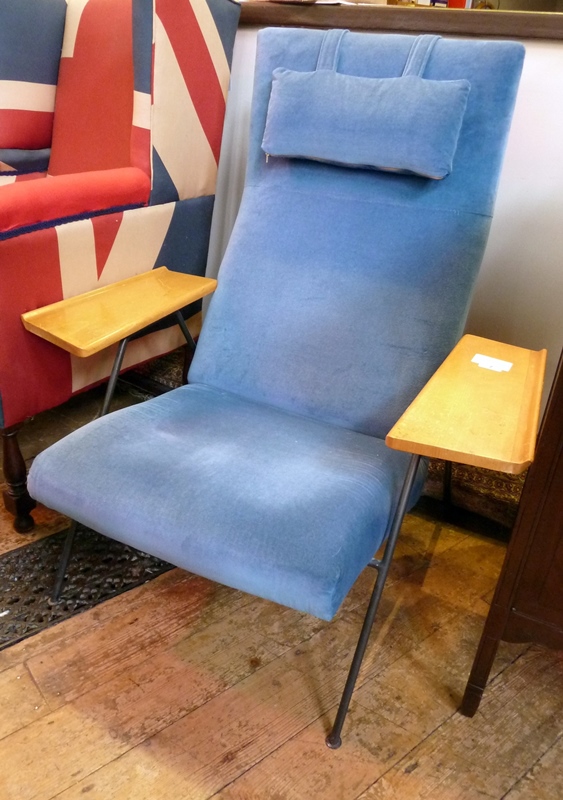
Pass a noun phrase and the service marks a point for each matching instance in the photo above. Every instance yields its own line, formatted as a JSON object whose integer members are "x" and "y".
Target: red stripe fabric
{"x": 34, "y": 202}
{"x": 35, "y": 374}
{"x": 25, "y": 130}
{"x": 30, "y": 176}
{"x": 105, "y": 233}
{"x": 94, "y": 101}
{"x": 197, "y": 68}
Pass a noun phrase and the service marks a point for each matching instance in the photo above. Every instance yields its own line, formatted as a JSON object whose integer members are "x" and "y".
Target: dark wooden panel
{"x": 538, "y": 591}
{"x": 528, "y": 601}
{"x": 509, "y": 24}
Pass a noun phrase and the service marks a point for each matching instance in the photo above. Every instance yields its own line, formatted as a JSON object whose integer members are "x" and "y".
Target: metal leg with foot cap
{"x": 334, "y": 740}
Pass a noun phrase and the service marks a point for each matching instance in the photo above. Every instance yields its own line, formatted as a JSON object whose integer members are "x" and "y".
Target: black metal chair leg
{"x": 189, "y": 349}
{"x": 185, "y": 330}
{"x": 114, "y": 376}
{"x": 63, "y": 562}
{"x": 334, "y": 740}
{"x": 69, "y": 541}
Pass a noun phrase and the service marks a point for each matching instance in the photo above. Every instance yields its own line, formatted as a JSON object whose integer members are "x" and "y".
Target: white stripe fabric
{"x": 213, "y": 41}
{"x": 27, "y": 96}
{"x": 178, "y": 136}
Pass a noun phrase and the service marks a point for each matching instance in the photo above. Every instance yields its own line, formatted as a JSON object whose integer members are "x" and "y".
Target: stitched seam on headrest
{"x": 330, "y": 49}
{"x": 419, "y": 54}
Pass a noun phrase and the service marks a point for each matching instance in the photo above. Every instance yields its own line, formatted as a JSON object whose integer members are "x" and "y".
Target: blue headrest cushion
{"x": 406, "y": 124}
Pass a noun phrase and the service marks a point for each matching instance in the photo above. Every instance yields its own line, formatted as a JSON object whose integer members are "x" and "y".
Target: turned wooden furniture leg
{"x": 480, "y": 671}
{"x": 447, "y": 485}
{"x": 16, "y": 497}
{"x": 527, "y": 605}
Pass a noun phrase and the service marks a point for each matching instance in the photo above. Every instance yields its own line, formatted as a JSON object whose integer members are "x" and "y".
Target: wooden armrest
{"x": 481, "y": 407}
{"x": 87, "y": 323}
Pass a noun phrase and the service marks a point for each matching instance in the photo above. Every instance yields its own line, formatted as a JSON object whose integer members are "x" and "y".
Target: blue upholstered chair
{"x": 373, "y": 167}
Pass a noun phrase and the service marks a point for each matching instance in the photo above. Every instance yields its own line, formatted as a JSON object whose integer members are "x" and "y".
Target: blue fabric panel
{"x": 420, "y": 53}
{"x": 187, "y": 239}
{"x": 329, "y": 50}
{"x": 142, "y": 44}
{"x": 38, "y": 25}
{"x": 185, "y": 247}
{"x": 24, "y": 161}
{"x": 163, "y": 189}
{"x": 226, "y": 15}
{"x": 343, "y": 308}
{"x": 277, "y": 505}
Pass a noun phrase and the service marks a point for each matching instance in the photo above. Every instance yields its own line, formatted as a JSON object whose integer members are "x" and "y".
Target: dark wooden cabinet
{"x": 528, "y": 601}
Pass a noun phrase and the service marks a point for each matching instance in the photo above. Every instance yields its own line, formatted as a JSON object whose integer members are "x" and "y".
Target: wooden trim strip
{"x": 513, "y": 24}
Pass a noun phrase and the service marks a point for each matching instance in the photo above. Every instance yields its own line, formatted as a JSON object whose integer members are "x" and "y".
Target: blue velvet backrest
{"x": 342, "y": 289}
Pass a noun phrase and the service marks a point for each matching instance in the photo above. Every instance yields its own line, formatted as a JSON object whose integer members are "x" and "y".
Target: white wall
{"x": 519, "y": 294}
{"x": 232, "y": 162}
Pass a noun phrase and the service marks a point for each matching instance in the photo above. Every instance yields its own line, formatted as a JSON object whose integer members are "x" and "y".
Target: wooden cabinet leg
{"x": 480, "y": 671}
{"x": 16, "y": 497}
{"x": 447, "y": 486}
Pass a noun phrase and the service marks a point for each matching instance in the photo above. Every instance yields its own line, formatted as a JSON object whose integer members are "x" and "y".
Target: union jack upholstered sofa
{"x": 111, "y": 117}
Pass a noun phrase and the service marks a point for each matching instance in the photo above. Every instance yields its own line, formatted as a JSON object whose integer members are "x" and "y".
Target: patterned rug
{"x": 492, "y": 495}
{"x": 100, "y": 568}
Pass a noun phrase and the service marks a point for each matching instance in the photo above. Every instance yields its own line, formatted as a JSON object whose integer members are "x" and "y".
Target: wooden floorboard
{"x": 48, "y": 522}
{"x": 519, "y": 720}
{"x": 544, "y": 780}
{"x": 187, "y": 690}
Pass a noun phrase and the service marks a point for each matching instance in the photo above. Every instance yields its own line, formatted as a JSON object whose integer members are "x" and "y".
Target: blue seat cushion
{"x": 272, "y": 503}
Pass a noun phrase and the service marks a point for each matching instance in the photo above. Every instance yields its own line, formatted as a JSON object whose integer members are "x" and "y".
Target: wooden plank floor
{"x": 184, "y": 690}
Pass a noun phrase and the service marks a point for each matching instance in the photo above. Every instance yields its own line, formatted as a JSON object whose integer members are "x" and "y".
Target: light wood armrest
{"x": 85, "y": 324}
{"x": 477, "y": 415}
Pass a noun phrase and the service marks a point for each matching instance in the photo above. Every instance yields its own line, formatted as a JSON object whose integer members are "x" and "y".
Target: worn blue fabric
{"x": 279, "y": 505}
{"x": 366, "y": 122}
{"x": 351, "y": 286}
{"x": 341, "y": 292}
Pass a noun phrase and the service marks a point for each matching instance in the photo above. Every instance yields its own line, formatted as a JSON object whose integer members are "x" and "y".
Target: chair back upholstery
{"x": 147, "y": 90}
{"x": 193, "y": 47}
{"x": 94, "y": 105}
{"x": 31, "y": 33}
{"x": 351, "y": 285}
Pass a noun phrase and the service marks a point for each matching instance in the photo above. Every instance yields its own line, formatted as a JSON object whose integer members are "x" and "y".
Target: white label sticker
{"x": 487, "y": 362}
